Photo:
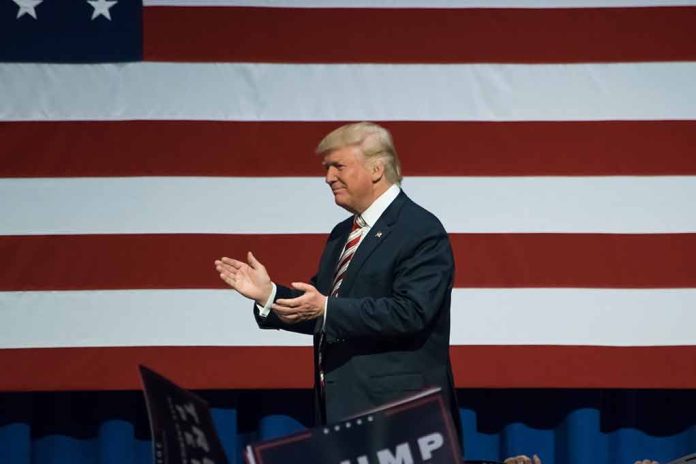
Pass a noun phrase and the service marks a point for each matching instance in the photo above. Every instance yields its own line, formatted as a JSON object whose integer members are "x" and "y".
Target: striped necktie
{"x": 347, "y": 254}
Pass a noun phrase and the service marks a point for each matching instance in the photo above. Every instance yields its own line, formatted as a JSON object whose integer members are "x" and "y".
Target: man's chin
{"x": 339, "y": 198}
{"x": 339, "y": 202}
{"x": 343, "y": 204}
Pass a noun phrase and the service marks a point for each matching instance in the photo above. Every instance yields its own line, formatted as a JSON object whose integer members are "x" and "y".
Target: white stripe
{"x": 349, "y": 251}
{"x": 421, "y": 3}
{"x": 131, "y": 318}
{"x": 225, "y": 205}
{"x": 282, "y": 92}
{"x": 574, "y": 317}
{"x": 341, "y": 270}
{"x": 221, "y": 318}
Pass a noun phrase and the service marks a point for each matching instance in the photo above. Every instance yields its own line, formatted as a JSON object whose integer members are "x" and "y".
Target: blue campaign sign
{"x": 417, "y": 429}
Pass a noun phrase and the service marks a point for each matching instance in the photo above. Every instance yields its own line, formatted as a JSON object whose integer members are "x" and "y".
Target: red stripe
{"x": 345, "y": 260}
{"x": 314, "y": 35}
{"x": 83, "y": 262}
{"x": 209, "y": 148}
{"x": 259, "y": 367}
{"x": 347, "y": 255}
{"x": 90, "y": 262}
{"x": 575, "y": 260}
{"x": 574, "y": 366}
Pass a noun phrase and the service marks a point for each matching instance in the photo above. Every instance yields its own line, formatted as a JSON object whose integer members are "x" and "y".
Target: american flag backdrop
{"x": 555, "y": 140}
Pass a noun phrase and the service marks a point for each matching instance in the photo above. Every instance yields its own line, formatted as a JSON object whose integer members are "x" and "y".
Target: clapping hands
{"x": 250, "y": 279}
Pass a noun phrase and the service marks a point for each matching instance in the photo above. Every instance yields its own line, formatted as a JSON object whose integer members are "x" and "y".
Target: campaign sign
{"x": 417, "y": 429}
{"x": 182, "y": 429}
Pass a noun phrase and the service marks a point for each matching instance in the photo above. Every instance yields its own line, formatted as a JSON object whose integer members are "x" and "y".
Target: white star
{"x": 27, "y": 7}
{"x": 101, "y": 8}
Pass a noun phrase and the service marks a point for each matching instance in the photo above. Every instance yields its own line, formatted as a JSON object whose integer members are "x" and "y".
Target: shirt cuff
{"x": 265, "y": 309}
{"x": 326, "y": 312}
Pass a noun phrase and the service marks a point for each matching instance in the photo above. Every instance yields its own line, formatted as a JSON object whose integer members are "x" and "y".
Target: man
{"x": 379, "y": 305}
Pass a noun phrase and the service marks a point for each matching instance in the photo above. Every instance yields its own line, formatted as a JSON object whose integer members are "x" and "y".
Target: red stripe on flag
{"x": 163, "y": 261}
{"x": 575, "y": 260}
{"x": 263, "y": 149}
{"x": 259, "y": 367}
{"x": 87, "y": 262}
{"x": 304, "y": 35}
{"x": 574, "y": 366}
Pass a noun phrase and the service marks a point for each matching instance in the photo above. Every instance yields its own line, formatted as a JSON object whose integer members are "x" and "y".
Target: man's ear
{"x": 377, "y": 171}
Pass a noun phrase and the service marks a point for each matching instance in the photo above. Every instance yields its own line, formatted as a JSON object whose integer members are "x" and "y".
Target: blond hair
{"x": 373, "y": 140}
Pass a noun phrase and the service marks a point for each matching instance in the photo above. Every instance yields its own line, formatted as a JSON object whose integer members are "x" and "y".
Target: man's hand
{"x": 250, "y": 279}
{"x": 310, "y": 305}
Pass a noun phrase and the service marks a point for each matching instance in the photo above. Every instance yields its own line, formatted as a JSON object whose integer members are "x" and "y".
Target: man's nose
{"x": 330, "y": 175}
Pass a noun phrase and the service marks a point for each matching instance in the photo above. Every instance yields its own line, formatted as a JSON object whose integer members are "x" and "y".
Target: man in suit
{"x": 379, "y": 305}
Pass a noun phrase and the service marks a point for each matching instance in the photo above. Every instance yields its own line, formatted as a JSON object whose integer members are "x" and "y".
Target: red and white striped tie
{"x": 348, "y": 252}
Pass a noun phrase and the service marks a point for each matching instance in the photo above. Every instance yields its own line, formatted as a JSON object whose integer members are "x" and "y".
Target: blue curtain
{"x": 561, "y": 426}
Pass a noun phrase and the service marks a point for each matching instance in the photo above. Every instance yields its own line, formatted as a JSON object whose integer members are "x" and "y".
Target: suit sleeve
{"x": 421, "y": 288}
{"x": 273, "y": 322}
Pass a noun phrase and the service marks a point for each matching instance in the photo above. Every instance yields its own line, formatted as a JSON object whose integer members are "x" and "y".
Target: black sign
{"x": 182, "y": 429}
{"x": 415, "y": 430}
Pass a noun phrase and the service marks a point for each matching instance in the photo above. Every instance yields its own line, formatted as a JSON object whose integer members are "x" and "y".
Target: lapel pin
{"x": 378, "y": 234}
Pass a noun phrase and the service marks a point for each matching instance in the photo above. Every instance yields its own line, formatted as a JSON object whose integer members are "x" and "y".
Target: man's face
{"x": 350, "y": 178}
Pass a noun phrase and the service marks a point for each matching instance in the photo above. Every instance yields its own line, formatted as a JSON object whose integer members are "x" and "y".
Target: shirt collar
{"x": 375, "y": 210}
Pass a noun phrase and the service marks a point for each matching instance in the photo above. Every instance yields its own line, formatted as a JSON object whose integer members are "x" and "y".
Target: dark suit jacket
{"x": 387, "y": 332}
